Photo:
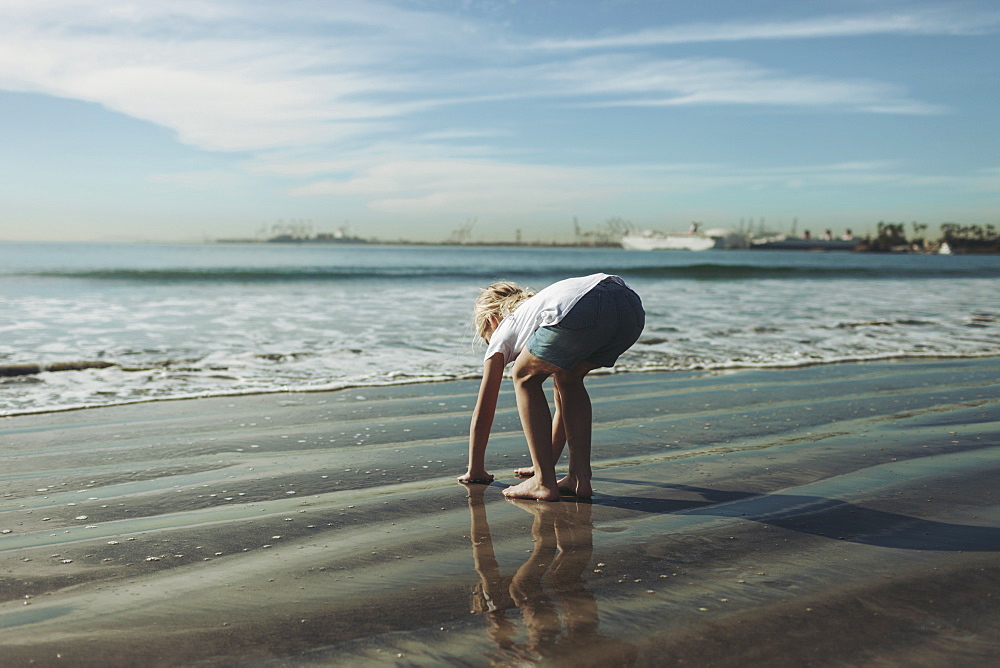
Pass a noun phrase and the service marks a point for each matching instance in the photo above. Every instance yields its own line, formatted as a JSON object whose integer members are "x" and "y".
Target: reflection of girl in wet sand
{"x": 565, "y": 331}
{"x": 558, "y": 612}
{"x": 491, "y": 596}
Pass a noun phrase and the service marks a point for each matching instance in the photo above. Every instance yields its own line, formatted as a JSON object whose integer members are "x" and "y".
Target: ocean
{"x": 167, "y": 321}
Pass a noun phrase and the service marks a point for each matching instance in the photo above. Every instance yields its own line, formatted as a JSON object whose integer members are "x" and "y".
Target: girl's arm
{"x": 482, "y": 420}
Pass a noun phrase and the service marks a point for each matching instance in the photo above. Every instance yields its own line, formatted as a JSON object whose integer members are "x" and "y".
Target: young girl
{"x": 565, "y": 331}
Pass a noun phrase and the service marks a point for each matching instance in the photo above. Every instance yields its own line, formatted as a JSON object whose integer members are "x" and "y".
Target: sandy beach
{"x": 842, "y": 514}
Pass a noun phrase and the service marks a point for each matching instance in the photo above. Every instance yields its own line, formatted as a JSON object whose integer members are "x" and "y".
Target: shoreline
{"x": 836, "y": 513}
{"x": 721, "y": 368}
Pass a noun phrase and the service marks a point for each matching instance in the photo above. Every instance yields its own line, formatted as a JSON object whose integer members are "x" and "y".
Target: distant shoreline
{"x": 563, "y": 244}
{"x": 479, "y": 244}
{"x": 407, "y": 242}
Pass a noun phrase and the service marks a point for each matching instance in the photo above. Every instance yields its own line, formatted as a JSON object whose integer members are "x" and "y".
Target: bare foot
{"x": 476, "y": 478}
{"x": 531, "y": 489}
{"x": 525, "y": 472}
{"x": 576, "y": 486}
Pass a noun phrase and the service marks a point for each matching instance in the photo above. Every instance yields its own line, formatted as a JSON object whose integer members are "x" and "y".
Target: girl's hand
{"x": 476, "y": 478}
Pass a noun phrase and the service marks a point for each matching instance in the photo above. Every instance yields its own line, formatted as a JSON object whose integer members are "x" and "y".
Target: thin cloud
{"x": 226, "y": 76}
{"x": 201, "y": 180}
{"x": 460, "y": 134}
{"x": 988, "y": 180}
{"x": 904, "y": 23}
{"x": 619, "y": 80}
{"x": 455, "y": 187}
{"x": 461, "y": 186}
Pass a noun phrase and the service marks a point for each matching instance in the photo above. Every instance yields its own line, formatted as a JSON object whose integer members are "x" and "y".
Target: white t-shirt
{"x": 546, "y": 308}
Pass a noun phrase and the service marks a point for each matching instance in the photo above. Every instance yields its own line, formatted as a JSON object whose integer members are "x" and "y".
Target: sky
{"x": 187, "y": 120}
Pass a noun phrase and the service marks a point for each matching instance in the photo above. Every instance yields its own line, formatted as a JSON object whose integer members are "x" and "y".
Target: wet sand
{"x": 831, "y": 515}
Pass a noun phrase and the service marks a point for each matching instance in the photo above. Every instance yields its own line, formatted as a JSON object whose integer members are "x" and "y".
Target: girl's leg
{"x": 558, "y": 441}
{"x": 529, "y": 373}
{"x": 577, "y": 412}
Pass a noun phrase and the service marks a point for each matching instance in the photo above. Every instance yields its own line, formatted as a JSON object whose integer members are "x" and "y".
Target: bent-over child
{"x": 565, "y": 331}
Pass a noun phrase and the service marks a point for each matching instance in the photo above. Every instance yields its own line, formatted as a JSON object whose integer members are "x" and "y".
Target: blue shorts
{"x": 598, "y": 329}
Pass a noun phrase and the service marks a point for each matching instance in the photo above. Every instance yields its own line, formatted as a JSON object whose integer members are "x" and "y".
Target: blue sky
{"x": 192, "y": 119}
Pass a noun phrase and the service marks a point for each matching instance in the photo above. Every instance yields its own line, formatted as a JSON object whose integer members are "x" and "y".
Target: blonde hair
{"x": 497, "y": 302}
